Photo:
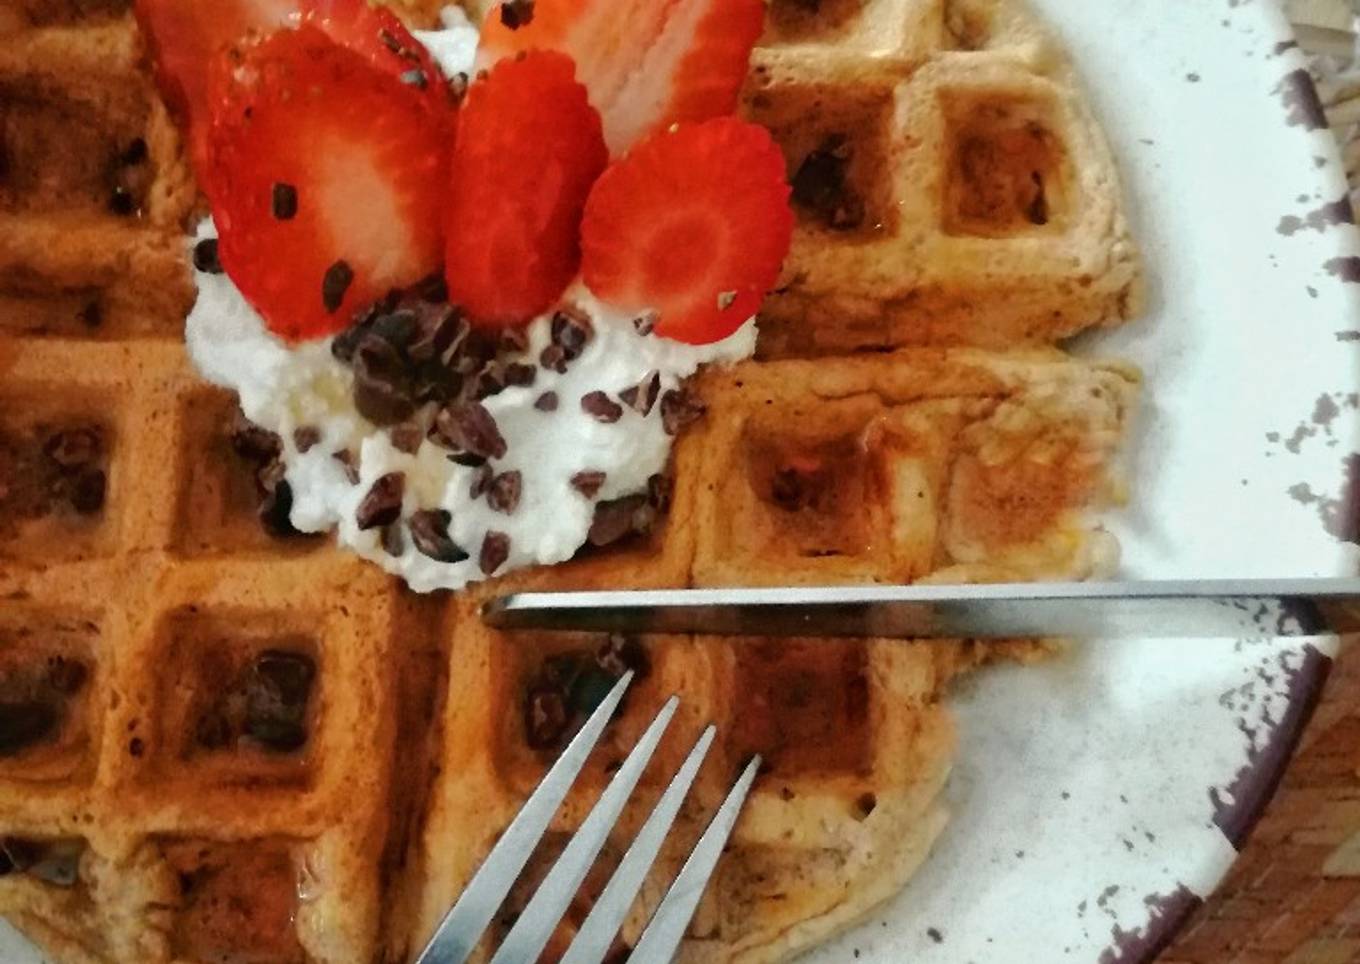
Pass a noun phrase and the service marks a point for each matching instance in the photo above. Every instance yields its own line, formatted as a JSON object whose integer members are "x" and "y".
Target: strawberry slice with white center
{"x": 186, "y": 36}
{"x": 327, "y": 181}
{"x": 693, "y": 223}
{"x": 646, "y": 63}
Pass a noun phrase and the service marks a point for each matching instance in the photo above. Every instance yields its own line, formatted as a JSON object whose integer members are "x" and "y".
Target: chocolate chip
{"x": 432, "y": 289}
{"x": 393, "y": 541}
{"x": 284, "y": 202}
{"x": 517, "y": 13}
{"x": 395, "y": 327}
{"x": 645, "y": 323}
{"x": 334, "y": 285}
{"x": 383, "y": 392}
{"x": 350, "y": 462}
{"x": 641, "y": 397}
{"x": 678, "y": 409}
{"x": 554, "y": 359}
{"x": 618, "y": 518}
{"x": 820, "y": 185}
{"x": 474, "y": 352}
{"x": 504, "y": 492}
{"x": 437, "y": 328}
{"x": 547, "y": 402}
{"x": 136, "y": 746}
{"x": 407, "y": 437}
{"x": 481, "y": 481}
{"x": 545, "y": 716}
{"x": 430, "y": 532}
{"x": 382, "y": 505}
{"x": 434, "y": 383}
{"x": 570, "y": 332}
{"x": 74, "y": 448}
{"x": 495, "y": 550}
{"x": 305, "y": 438}
{"x": 520, "y": 375}
{"x": 601, "y": 407}
{"x": 24, "y": 723}
{"x": 88, "y": 491}
{"x": 469, "y": 427}
{"x": 487, "y": 383}
{"x": 588, "y": 483}
{"x": 344, "y": 345}
{"x": 468, "y": 460}
{"x": 205, "y": 257}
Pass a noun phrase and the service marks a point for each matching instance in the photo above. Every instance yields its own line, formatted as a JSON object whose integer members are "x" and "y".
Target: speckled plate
{"x": 1099, "y": 798}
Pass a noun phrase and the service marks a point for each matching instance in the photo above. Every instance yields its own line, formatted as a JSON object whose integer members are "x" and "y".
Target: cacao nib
{"x": 504, "y": 493}
{"x": 601, "y": 407}
{"x": 382, "y": 505}
{"x": 495, "y": 550}
{"x": 430, "y": 533}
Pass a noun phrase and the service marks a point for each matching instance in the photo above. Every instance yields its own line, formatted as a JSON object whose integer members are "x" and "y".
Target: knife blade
{"x": 1241, "y": 608}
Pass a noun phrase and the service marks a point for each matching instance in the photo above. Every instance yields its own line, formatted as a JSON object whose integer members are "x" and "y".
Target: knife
{"x": 1240, "y": 608}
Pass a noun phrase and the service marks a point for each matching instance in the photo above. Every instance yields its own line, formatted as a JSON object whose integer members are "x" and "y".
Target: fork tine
{"x": 666, "y": 928}
{"x": 531, "y": 932}
{"x": 604, "y": 920}
{"x": 461, "y": 928}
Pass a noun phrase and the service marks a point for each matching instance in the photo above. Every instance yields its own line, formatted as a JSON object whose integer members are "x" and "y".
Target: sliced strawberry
{"x": 693, "y": 223}
{"x": 380, "y": 36}
{"x": 529, "y": 147}
{"x": 646, "y": 63}
{"x": 328, "y": 181}
{"x": 184, "y": 37}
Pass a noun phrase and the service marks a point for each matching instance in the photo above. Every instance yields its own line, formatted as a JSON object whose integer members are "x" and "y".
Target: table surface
{"x": 1294, "y": 895}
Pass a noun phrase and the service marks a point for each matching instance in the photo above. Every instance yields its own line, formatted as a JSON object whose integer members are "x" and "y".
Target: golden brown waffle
{"x": 219, "y": 745}
{"x": 951, "y": 185}
{"x": 801, "y": 472}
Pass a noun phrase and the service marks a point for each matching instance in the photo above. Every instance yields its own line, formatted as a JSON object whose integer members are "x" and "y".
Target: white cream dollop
{"x": 285, "y": 387}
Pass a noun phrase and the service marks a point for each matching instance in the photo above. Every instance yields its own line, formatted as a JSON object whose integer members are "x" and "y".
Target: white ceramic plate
{"x": 1097, "y": 799}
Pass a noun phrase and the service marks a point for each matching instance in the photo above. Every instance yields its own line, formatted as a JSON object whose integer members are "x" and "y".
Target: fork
{"x": 463, "y": 926}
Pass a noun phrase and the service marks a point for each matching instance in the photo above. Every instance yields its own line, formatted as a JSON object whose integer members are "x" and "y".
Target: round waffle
{"x": 220, "y": 740}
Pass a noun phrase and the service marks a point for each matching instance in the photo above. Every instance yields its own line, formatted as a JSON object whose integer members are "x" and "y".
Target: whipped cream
{"x": 285, "y": 387}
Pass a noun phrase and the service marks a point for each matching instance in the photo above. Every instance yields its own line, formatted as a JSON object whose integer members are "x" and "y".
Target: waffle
{"x": 950, "y": 184}
{"x": 222, "y": 742}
